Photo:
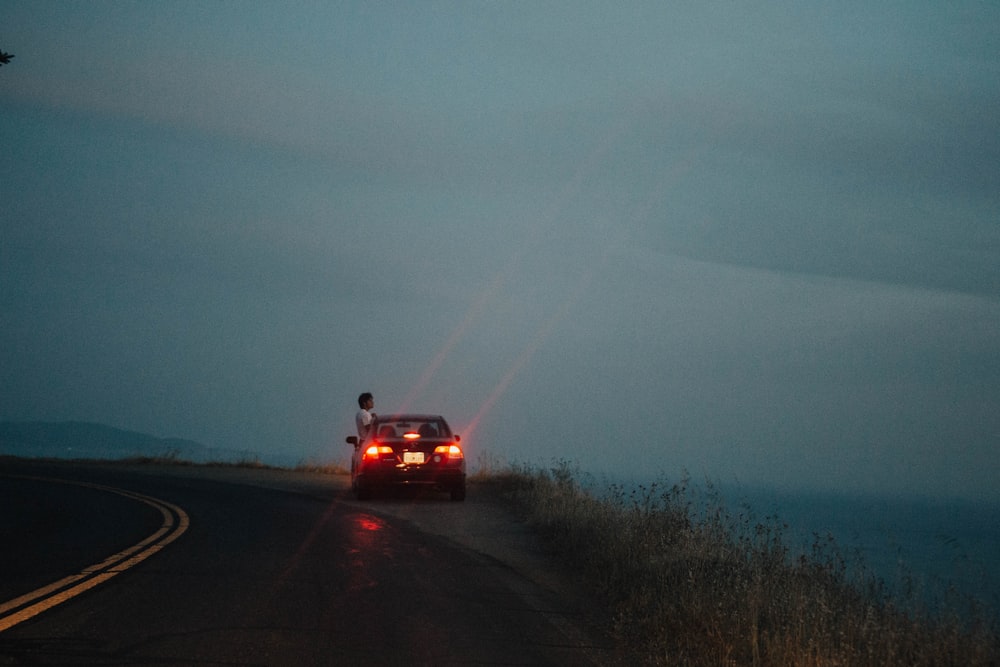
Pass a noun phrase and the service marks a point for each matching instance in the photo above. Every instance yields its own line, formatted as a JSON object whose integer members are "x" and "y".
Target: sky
{"x": 744, "y": 242}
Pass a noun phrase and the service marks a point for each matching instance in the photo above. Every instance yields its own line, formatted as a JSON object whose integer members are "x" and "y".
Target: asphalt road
{"x": 215, "y": 566}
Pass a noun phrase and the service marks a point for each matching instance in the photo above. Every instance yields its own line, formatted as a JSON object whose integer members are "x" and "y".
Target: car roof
{"x": 407, "y": 417}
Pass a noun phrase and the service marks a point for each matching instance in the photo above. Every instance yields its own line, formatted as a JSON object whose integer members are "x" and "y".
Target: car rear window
{"x": 425, "y": 428}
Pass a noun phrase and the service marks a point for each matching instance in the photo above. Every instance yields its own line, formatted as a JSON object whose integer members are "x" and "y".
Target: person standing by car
{"x": 365, "y": 416}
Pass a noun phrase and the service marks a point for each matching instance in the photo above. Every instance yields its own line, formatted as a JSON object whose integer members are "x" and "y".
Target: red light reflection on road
{"x": 365, "y": 522}
{"x": 364, "y": 541}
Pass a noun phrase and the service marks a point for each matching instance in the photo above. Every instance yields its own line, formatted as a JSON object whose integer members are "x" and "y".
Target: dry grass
{"x": 335, "y": 468}
{"x": 690, "y": 584}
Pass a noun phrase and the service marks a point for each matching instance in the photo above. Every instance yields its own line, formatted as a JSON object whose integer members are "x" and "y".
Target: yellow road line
{"x": 175, "y": 522}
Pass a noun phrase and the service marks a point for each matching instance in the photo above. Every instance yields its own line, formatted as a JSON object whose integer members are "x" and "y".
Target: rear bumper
{"x": 441, "y": 478}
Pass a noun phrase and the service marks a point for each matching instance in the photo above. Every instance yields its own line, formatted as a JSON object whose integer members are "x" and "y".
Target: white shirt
{"x": 363, "y": 420}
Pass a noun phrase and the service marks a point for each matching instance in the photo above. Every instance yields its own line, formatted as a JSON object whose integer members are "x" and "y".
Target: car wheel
{"x": 458, "y": 493}
{"x": 362, "y": 493}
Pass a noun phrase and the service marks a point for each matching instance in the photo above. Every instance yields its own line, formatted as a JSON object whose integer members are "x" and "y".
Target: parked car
{"x": 408, "y": 450}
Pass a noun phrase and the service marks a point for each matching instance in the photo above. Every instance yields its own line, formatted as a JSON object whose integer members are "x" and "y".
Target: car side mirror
{"x": 352, "y": 440}
{"x": 457, "y": 437}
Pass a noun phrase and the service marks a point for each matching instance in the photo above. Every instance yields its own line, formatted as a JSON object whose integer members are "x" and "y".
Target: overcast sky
{"x": 759, "y": 242}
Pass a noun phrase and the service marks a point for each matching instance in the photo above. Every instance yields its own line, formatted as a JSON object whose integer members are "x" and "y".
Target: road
{"x": 225, "y": 566}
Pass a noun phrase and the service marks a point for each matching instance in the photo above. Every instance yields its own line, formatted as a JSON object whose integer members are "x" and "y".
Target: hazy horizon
{"x": 756, "y": 244}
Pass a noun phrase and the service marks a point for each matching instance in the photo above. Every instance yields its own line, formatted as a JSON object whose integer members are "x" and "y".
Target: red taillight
{"x": 451, "y": 451}
{"x": 375, "y": 452}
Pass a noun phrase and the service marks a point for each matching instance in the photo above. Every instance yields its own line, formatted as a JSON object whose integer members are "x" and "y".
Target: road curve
{"x": 29, "y": 605}
{"x": 277, "y": 568}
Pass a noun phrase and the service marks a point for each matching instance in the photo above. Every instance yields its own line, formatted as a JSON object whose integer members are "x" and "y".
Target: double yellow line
{"x": 175, "y": 522}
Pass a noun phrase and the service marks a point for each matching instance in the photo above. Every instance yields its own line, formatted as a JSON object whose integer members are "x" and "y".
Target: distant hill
{"x": 85, "y": 440}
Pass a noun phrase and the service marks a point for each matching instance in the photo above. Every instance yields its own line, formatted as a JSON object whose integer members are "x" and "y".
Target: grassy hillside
{"x": 689, "y": 584}
{"x": 85, "y": 440}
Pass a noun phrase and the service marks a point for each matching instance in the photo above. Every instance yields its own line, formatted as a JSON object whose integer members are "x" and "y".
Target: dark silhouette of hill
{"x": 85, "y": 440}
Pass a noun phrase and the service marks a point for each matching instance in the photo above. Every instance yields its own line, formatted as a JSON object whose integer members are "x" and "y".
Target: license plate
{"x": 413, "y": 457}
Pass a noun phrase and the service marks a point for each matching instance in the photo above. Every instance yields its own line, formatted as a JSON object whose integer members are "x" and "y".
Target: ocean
{"x": 919, "y": 547}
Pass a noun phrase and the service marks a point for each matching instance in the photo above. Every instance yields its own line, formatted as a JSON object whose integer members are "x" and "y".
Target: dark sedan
{"x": 408, "y": 450}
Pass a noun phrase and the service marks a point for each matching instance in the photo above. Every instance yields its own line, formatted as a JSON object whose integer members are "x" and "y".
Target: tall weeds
{"x": 689, "y": 583}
